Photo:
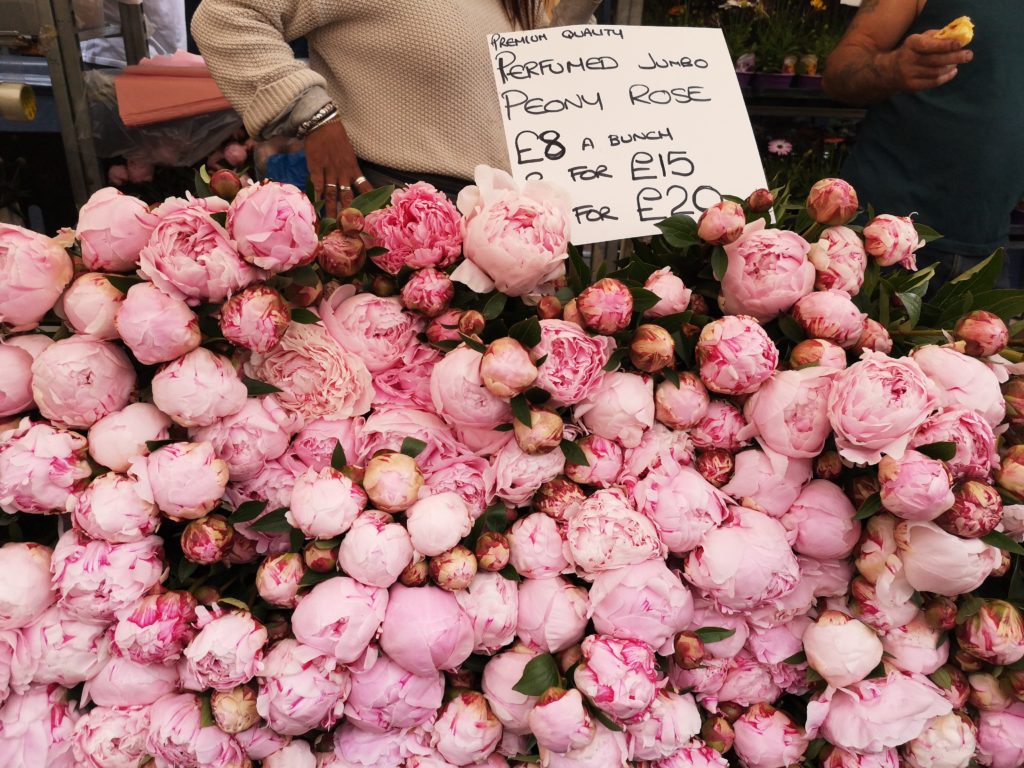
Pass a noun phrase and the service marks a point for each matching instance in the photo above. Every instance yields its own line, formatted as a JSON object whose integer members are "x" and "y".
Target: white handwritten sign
{"x": 638, "y": 123}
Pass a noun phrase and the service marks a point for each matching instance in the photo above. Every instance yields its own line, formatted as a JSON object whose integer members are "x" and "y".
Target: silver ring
{"x": 335, "y": 186}
{"x": 361, "y": 180}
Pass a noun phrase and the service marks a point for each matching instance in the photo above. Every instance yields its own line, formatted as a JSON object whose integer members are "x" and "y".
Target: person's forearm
{"x": 858, "y": 76}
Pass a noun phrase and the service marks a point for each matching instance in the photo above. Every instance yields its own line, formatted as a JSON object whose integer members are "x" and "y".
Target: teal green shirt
{"x": 953, "y": 154}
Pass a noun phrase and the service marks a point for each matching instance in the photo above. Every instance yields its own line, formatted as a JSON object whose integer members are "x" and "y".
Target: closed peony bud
{"x": 1013, "y": 393}
{"x": 976, "y": 511}
{"x": 832, "y": 202}
{"x": 558, "y": 498}
{"x": 959, "y": 689}
{"x": 453, "y": 570}
{"x": 1015, "y": 679}
{"x": 989, "y": 693}
{"x": 652, "y": 348}
{"x": 544, "y": 433}
{"x": 862, "y": 487}
{"x": 760, "y": 201}
{"x": 840, "y": 649}
{"x": 325, "y": 503}
{"x": 415, "y": 574}
{"x": 392, "y": 481}
{"x": 682, "y": 406}
{"x": 549, "y": 308}
{"x": 915, "y": 487}
{"x": 983, "y": 333}
{"x": 90, "y": 306}
{"x": 506, "y": 368}
{"x": 225, "y": 184}
{"x": 571, "y": 313}
{"x": 830, "y": 315}
{"x": 967, "y": 662}
{"x": 821, "y": 352}
{"x": 341, "y": 255}
{"x": 351, "y": 221}
{"x": 320, "y": 558}
{"x": 606, "y": 306}
{"x": 875, "y": 337}
{"x": 994, "y": 634}
{"x": 383, "y": 285}
{"x": 206, "y": 595}
{"x": 716, "y": 466}
{"x": 234, "y": 710}
{"x": 560, "y": 721}
{"x": 278, "y": 577}
{"x": 718, "y": 734}
{"x": 1010, "y": 474}
{"x": 429, "y": 292}
{"x": 688, "y": 650}
{"x": 722, "y": 223}
{"x": 471, "y": 322}
{"x": 828, "y": 466}
{"x": 947, "y": 741}
{"x": 255, "y": 318}
{"x": 466, "y": 731}
{"x": 940, "y": 612}
{"x": 492, "y": 550}
{"x": 207, "y": 540}
{"x": 444, "y": 327}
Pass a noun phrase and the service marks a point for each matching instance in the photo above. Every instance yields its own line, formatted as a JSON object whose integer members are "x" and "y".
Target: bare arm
{"x": 873, "y": 61}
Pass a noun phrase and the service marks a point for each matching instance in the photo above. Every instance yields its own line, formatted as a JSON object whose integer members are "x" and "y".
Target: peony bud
{"x": 466, "y": 731}
{"x": 383, "y": 285}
{"x": 544, "y": 433}
{"x": 278, "y": 577}
{"x": 392, "y": 481}
{"x": 817, "y": 352}
{"x": 994, "y": 634}
{"x": 549, "y": 308}
{"x": 351, "y": 221}
{"x": 760, "y": 201}
{"x": 828, "y": 466}
{"x": 225, "y": 184}
{"x": 698, "y": 304}
{"x": 560, "y": 721}
{"x": 716, "y": 466}
{"x": 319, "y": 558}
{"x": 255, "y": 318}
{"x": 207, "y": 540}
{"x": 688, "y": 650}
{"x": 415, "y": 574}
{"x": 862, "y": 487}
{"x": 341, "y": 255}
{"x": 492, "y": 550}
{"x": 606, "y": 306}
{"x": 968, "y": 663}
{"x": 983, "y": 333}
{"x": 571, "y": 313}
{"x": 976, "y": 511}
{"x": 303, "y": 295}
{"x": 234, "y": 710}
{"x": 558, "y": 498}
{"x": 718, "y": 734}
{"x": 429, "y": 292}
{"x": 840, "y": 649}
{"x": 832, "y": 202}
{"x": 207, "y": 595}
{"x": 959, "y": 689}
{"x": 989, "y": 693}
{"x": 683, "y": 406}
{"x": 1013, "y": 393}
{"x": 722, "y": 223}
{"x": 506, "y": 368}
{"x": 1015, "y": 679}
{"x": 940, "y": 612}
{"x": 471, "y": 322}
{"x": 875, "y": 338}
{"x": 444, "y": 327}
{"x": 652, "y": 348}
{"x": 453, "y": 570}
{"x": 1010, "y": 474}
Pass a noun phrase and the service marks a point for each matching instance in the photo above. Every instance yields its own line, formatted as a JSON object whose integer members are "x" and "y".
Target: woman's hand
{"x": 333, "y": 167}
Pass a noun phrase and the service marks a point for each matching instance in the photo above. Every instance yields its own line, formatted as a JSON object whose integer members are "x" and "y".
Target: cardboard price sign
{"x": 637, "y": 123}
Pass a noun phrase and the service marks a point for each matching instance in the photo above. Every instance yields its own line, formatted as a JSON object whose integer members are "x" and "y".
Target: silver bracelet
{"x": 323, "y": 115}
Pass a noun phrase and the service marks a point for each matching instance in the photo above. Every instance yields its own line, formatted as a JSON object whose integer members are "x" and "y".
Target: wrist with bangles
{"x": 327, "y": 113}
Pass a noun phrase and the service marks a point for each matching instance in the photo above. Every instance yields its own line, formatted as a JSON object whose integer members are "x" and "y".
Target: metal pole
{"x": 133, "y": 30}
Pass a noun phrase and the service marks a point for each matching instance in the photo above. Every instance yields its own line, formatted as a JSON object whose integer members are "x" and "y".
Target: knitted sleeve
{"x": 244, "y": 43}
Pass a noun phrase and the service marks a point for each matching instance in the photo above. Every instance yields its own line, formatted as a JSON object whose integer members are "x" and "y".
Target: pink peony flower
{"x": 248, "y": 439}
{"x": 840, "y": 649}
{"x": 696, "y": 754}
{"x": 682, "y": 406}
{"x": 387, "y": 430}
{"x": 273, "y": 226}
{"x": 41, "y": 468}
{"x": 34, "y": 271}
{"x": 317, "y": 378}
{"x": 296, "y": 754}
{"x": 112, "y": 229}
{"x": 916, "y": 487}
{"x": 936, "y": 561}
{"x": 227, "y": 651}
{"x": 974, "y": 439}
{"x": 767, "y": 481}
{"x": 892, "y": 240}
{"x": 468, "y": 476}
{"x": 841, "y": 758}
{"x": 832, "y": 202}
{"x": 501, "y": 673}
{"x": 574, "y": 361}
{"x": 821, "y": 522}
{"x": 673, "y": 295}
{"x": 64, "y": 649}
{"x": 300, "y": 689}
{"x": 674, "y": 720}
{"x": 29, "y": 592}
{"x": 607, "y": 749}
{"x": 492, "y": 604}
{"x": 606, "y": 306}
{"x": 156, "y": 327}
{"x": 156, "y": 628}
{"x": 768, "y": 271}
{"x": 37, "y": 727}
{"x": 15, "y": 380}
{"x": 420, "y": 228}
{"x": 768, "y": 738}
{"x": 560, "y": 721}
{"x": 789, "y": 412}
{"x": 620, "y": 409}
{"x": 719, "y": 428}
{"x": 385, "y": 697}
{"x": 722, "y": 223}
{"x": 198, "y": 388}
{"x": 536, "y": 547}
{"x": 1001, "y": 737}
{"x": 325, "y": 503}
{"x": 375, "y": 550}
{"x": 111, "y": 737}
{"x": 916, "y": 648}
{"x": 407, "y": 384}
{"x": 875, "y": 337}
{"x": 962, "y": 381}
{"x": 830, "y": 315}
{"x": 839, "y": 259}
{"x": 994, "y": 634}
{"x": 735, "y": 354}
{"x": 606, "y": 532}
{"x": 113, "y": 508}
{"x": 682, "y": 505}
{"x": 513, "y": 239}
{"x": 425, "y": 630}
{"x": 260, "y": 742}
{"x": 178, "y": 737}
{"x": 187, "y": 480}
{"x": 255, "y": 318}
{"x": 947, "y": 740}
{"x": 375, "y": 328}
{"x": 278, "y": 578}
{"x": 90, "y": 306}
{"x": 119, "y": 437}
{"x": 438, "y": 522}
{"x": 877, "y": 404}
{"x": 315, "y": 443}
{"x": 552, "y": 614}
{"x": 620, "y": 677}
{"x": 78, "y": 381}
{"x": 428, "y": 291}
{"x": 339, "y": 617}
{"x": 983, "y": 333}
{"x": 460, "y": 396}
{"x": 466, "y": 731}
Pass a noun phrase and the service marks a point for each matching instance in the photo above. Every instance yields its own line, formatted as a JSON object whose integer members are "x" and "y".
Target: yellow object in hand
{"x": 961, "y": 30}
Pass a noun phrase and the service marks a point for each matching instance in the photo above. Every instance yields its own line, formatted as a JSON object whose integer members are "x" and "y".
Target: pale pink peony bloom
{"x": 768, "y": 271}
{"x": 387, "y": 429}
{"x": 421, "y": 228}
{"x": 156, "y": 327}
{"x": 317, "y": 378}
{"x": 315, "y": 443}
{"x": 186, "y": 480}
{"x": 296, "y": 754}
{"x": 37, "y": 728}
{"x": 227, "y": 651}
{"x": 41, "y": 468}
{"x": 892, "y": 240}
{"x": 112, "y": 228}
{"x": 91, "y": 304}
{"x": 500, "y": 675}
{"x": 156, "y": 628}
{"x": 660, "y": 449}
{"x": 248, "y": 439}
{"x": 673, "y": 295}
{"x": 34, "y": 271}
{"x": 15, "y": 380}
{"x": 840, "y": 649}
{"x": 994, "y": 634}
{"x": 948, "y": 741}
{"x": 877, "y": 404}
{"x": 536, "y": 547}
{"x": 407, "y": 383}
{"x": 460, "y": 396}
{"x": 122, "y": 682}
{"x": 375, "y": 328}
{"x": 384, "y": 697}
{"x": 517, "y": 475}
{"x": 111, "y": 737}
{"x": 553, "y": 613}
{"x": 620, "y": 409}
{"x": 682, "y": 505}
{"x": 356, "y": 748}
{"x": 767, "y": 481}
{"x": 936, "y": 561}
{"x": 962, "y": 381}
{"x": 722, "y": 223}
{"x": 839, "y": 259}
{"x": 300, "y": 689}
{"x": 469, "y": 477}
{"x": 736, "y": 356}
{"x": 191, "y": 257}
{"x": 560, "y": 721}
{"x": 114, "y": 508}
{"x": 832, "y": 316}
{"x": 832, "y": 202}
{"x": 745, "y": 563}
{"x": 178, "y": 737}
{"x": 673, "y": 721}
{"x": 707, "y": 614}
{"x": 877, "y": 714}
{"x": 719, "y": 428}
{"x": 198, "y": 388}
{"x": 438, "y": 522}
{"x": 841, "y": 758}
{"x": 119, "y": 437}
{"x": 606, "y": 532}
{"x": 425, "y": 630}
{"x": 491, "y": 602}
{"x": 466, "y": 731}
{"x": 506, "y": 368}
{"x": 278, "y": 578}
{"x": 915, "y": 487}
{"x": 514, "y": 239}
{"x": 259, "y": 742}
{"x": 273, "y": 226}
{"x": 375, "y": 550}
{"x": 65, "y": 649}
{"x": 620, "y": 677}
{"x": 916, "y": 647}
{"x": 77, "y": 381}
{"x": 607, "y": 749}
{"x": 339, "y": 617}
{"x": 682, "y": 406}
{"x": 821, "y": 522}
{"x": 17, "y": 663}
{"x": 1001, "y": 737}
{"x": 325, "y": 503}
{"x": 696, "y": 754}
{"x": 255, "y": 318}
{"x": 574, "y": 361}
{"x": 789, "y": 412}
{"x": 974, "y": 439}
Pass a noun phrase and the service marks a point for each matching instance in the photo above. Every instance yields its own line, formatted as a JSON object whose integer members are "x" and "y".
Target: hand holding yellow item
{"x": 961, "y": 30}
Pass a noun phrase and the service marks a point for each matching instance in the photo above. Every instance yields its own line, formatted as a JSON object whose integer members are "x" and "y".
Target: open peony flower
{"x": 574, "y": 361}
{"x": 384, "y": 696}
{"x": 421, "y": 228}
{"x": 736, "y": 356}
{"x": 273, "y": 226}
{"x": 962, "y": 381}
{"x": 375, "y": 328}
{"x": 619, "y": 677}
{"x": 112, "y": 229}
{"x": 621, "y": 409}
{"x": 606, "y": 532}
{"x": 77, "y": 381}
{"x": 155, "y": 326}
{"x": 34, "y": 270}
{"x": 300, "y": 689}
{"x": 768, "y": 271}
{"x": 789, "y": 412}
{"x": 41, "y": 468}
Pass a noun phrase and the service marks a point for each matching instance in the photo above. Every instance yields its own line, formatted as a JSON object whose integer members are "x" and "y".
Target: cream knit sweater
{"x": 412, "y": 80}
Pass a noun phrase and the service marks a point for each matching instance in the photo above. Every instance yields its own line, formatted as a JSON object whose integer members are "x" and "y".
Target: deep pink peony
{"x": 34, "y": 271}
{"x": 768, "y": 271}
{"x": 789, "y": 413}
{"x": 90, "y": 306}
{"x": 78, "y": 381}
{"x": 300, "y": 689}
{"x": 719, "y": 428}
{"x": 384, "y": 697}
{"x": 255, "y": 318}
{"x": 839, "y": 259}
{"x": 375, "y": 328}
{"x": 892, "y": 240}
{"x": 830, "y": 315}
{"x": 421, "y": 228}
{"x": 620, "y": 677}
{"x": 514, "y": 239}
{"x": 156, "y": 327}
{"x": 41, "y": 468}
{"x": 736, "y": 356}
{"x": 428, "y": 291}
{"x": 112, "y": 229}
{"x": 156, "y": 628}
{"x": 273, "y": 226}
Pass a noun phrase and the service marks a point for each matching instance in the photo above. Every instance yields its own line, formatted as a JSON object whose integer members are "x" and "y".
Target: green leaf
{"x": 205, "y": 712}
{"x": 247, "y": 511}
{"x": 510, "y": 573}
{"x": 221, "y": 217}
{"x": 672, "y": 376}
{"x": 615, "y": 359}
{"x": 472, "y": 343}
{"x": 643, "y": 299}
{"x": 185, "y": 570}
{"x": 272, "y": 522}
{"x": 1004, "y": 542}
{"x": 306, "y": 276}
{"x": 942, "y": 451}
{"x": 797, "y": 658}
{"x": 540, "y": 673}
{"x": 304, "y": 316}
{"x": 604, "y": 720}
{"x": 578, "y": 275}
{"x": 791, "y": 329}
{"x": 311, "y": 578}
{"x": 202, "y": 185}
{"x": 412, "y": 447}
{"x": 296, "y": 540}
{"x": 565, "y": 294}
{"x": 926, "y": 233}
{"x": 719, "y": 263}
{"x": 537, "y": 396}
{"x": 504, "y": 428}
{"x": 1016, "y": 590}
{"x": 521, "y": 410}
{"x": 495, "y": 305}
{"x": 156, "y": 445}
{"x": 573, "y": 453}
{"x": 374, "y": 199}
{"x": 526, "y": 759}
{"x": 234, "y": 603}
{"x": 714, "y": 634}
{"x": 1007, "y": 303}
{"x": 255, "y": 388}
{"x": 495, "y": 518}
{"x": 870, "y": 507}
{"x": 123, "y": 282}
{"x": 814, "y": 748}
{"x": 327, "y": 543}
{"x": 969, "y": 605}
{"x": 679, "y": 231}
{"x": 912, "y": 303}
{"x": 877, "y": 672}
{"x": 338, "y": 458}
{"x": 526, "y": 332}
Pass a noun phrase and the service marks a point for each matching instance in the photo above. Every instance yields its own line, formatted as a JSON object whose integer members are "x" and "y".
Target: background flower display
{"x": 418, "y": 488}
